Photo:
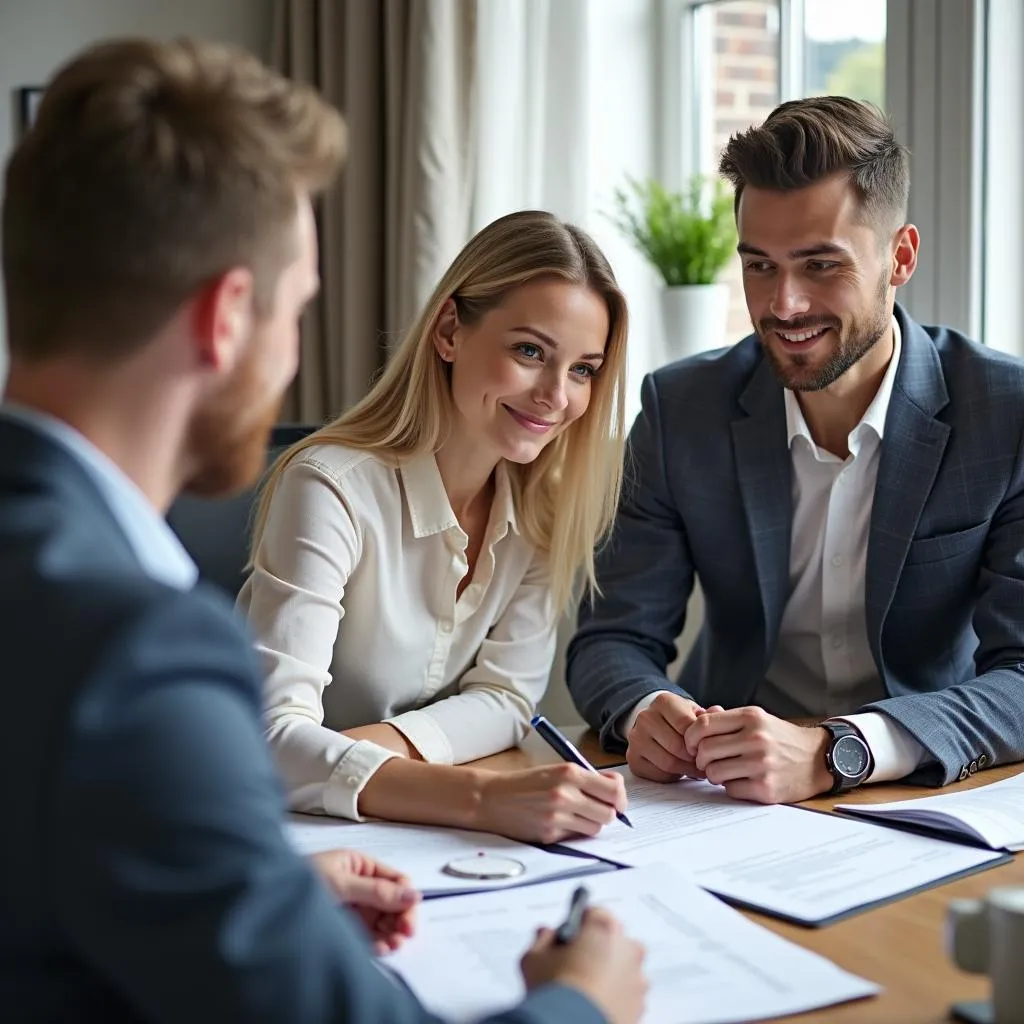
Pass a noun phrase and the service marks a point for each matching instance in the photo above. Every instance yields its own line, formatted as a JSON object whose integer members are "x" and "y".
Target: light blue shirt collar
{"x": 154, "y": 543}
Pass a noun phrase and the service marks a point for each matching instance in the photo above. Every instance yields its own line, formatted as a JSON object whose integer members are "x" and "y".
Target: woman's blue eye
{"x": 529, "y": 350}
{"x": 585, "y": 370}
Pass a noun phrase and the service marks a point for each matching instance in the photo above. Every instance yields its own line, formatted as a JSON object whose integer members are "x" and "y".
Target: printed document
{"x": 992, "y": 814}
{"x": 421, "y": 852}
{"x": 794, "y": 863}
{"x": 706, "y": 963}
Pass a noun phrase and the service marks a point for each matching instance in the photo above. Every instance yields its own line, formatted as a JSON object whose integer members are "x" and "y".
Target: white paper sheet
{"x": 787, "y": 861}
{"x": 705, "y": 962}
{"x": 993, "y": 814}
{"x": 421, "y": 852}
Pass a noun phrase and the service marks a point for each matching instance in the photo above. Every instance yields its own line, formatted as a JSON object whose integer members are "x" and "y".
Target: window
{"x": 741, "y": 58}
{"x": 844, "y": 50}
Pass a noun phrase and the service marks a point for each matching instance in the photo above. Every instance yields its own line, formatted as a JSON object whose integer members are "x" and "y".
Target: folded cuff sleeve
{"x": 350, "y": 775}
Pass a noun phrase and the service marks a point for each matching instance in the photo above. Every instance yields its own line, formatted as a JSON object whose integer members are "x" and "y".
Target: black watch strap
{"x": 839, "y": 729}
{"x": 841, "y": 782}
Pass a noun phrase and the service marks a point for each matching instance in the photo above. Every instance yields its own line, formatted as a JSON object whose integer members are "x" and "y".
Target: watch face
{"x": 850, "y": 756}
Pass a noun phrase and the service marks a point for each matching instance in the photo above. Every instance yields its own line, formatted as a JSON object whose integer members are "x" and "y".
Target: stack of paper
{"x": 797, "y": 864}
{"x": 421, "y": 852}
{"x": 993, "y": 814}
{"x": 705, "y": 962}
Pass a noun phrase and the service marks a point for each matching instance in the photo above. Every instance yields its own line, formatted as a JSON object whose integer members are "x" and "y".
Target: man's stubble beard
{"x": 228, "y": 439}
{"x": 850, "y": 351}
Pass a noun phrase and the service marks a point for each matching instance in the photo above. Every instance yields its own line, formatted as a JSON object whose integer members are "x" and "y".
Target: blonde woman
{"x": 411, "y": 559}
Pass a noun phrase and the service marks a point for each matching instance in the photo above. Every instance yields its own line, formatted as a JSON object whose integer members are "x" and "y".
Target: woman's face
{"x": 525, "y": 370}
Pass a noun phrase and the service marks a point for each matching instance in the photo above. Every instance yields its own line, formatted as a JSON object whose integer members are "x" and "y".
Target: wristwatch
{"x": 847, "y": 756}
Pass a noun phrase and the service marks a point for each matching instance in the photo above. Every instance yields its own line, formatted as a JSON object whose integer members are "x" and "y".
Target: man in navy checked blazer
{"x": 848, "y": 488}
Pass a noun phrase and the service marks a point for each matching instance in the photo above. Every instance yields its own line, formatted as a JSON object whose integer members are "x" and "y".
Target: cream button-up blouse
{"x": 352, "y": 600}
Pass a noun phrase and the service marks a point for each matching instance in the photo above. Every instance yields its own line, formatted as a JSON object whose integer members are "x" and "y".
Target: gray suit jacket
{"x": 708, "y": 494}
{"x": 144, "y": 873}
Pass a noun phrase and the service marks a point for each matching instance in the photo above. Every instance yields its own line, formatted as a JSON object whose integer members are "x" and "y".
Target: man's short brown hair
{"x": 804, "y": 141}
{"x": 151, "y": 169}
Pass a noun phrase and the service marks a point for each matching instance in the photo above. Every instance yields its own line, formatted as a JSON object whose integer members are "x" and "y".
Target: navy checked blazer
{"x": 708, "y": 496}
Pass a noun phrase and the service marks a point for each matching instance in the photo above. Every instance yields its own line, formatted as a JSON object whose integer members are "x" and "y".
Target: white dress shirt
{"x": 152, "y": 541}
{"x": 823, "y": 664}
{"x": 353, "y": 603}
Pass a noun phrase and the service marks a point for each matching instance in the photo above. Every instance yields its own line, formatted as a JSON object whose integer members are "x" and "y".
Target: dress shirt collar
{"x": 431, "y": 511}
{"x": 874, "y": 416}
{"x": 153, "y": 542}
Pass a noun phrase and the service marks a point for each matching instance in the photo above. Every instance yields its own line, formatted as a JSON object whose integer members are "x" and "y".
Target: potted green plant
{"x": 688, "y": 237}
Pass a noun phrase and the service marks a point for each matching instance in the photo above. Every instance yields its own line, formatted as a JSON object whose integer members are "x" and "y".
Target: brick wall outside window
{"x": 746, "y": 73}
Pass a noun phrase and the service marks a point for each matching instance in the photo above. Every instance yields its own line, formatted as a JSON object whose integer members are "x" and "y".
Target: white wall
{"x": 1004, "y": 198}
{"x": 37, "y": 36}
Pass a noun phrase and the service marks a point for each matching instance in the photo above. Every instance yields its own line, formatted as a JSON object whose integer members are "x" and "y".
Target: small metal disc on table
{"x": 485, "y": 866}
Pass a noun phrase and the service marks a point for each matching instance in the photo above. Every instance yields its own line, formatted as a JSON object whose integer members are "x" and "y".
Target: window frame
{"x": 678, "y": 141}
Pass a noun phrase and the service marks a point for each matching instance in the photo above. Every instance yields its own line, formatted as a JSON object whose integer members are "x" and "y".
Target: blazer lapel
{"x": 31, "y": 463}
{"x": 912, "y": 451}
{"x": 764, "y": 472}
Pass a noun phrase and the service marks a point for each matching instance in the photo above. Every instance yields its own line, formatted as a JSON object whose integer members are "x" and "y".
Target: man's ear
{"x": 222, "y": 320}
{"x": 904, "y": 256}
{"x": 445, "y": 326}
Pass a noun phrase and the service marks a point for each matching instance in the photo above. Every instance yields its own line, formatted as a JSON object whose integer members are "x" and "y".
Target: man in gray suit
{"x": 848, "y": 488}
{"x": 158, "y": 248}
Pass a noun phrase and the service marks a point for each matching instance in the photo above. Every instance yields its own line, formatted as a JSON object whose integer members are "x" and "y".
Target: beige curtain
{"x": 402, "y": 72}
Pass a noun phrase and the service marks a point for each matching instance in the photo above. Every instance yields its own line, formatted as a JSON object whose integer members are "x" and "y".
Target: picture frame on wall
{"x": 28, "y": 103}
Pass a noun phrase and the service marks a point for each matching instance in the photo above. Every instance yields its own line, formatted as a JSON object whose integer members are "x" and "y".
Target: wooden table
{"x": 899, "y": 946}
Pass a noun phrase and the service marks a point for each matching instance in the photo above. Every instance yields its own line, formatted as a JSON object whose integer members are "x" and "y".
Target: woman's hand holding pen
{"x": 602, "y": 962}
{"x": 550, "y": 803}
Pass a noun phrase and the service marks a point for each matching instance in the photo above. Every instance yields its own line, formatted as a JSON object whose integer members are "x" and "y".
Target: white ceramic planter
{"x": 694, "y": 318}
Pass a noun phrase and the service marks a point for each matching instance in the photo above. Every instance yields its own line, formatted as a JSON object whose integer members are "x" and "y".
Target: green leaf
{"x": 689, "y": 236}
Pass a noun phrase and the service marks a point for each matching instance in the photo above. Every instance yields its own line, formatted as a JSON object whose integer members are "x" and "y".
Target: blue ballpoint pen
{"x": 566, "y": 751}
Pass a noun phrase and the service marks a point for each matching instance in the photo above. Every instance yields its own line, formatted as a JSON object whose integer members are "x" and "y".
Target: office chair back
{"x": 216, "y": 531}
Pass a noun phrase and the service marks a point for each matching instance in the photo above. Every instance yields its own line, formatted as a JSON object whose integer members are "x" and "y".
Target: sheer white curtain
{"x": 532, "y": 93}
{"x": 566, "y": 108}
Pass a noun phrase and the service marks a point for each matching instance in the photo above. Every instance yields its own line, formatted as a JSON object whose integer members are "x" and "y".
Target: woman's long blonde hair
{"x": 566, "y": 498}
